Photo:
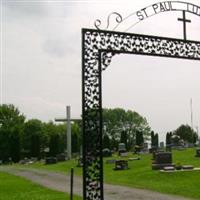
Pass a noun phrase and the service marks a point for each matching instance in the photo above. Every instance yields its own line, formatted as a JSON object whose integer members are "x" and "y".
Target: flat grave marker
{"x": 121, "y": 165}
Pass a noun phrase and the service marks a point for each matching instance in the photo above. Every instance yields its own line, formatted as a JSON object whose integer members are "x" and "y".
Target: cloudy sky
{"x": 41, "y": 62}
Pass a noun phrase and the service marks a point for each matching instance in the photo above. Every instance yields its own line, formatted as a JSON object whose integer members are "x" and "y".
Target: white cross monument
{"x": 68, "y": 120}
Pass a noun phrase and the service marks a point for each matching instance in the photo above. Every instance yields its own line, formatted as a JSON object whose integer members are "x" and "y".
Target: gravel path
{"x": 61, "y": 182}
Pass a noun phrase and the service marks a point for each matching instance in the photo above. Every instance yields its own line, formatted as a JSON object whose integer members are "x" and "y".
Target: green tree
{"x": 106, "y": 142}
{"x": 118, "y": 120}
{"x": 156, "y": 140}
{"x": 186, "y": 133}
{"x": 54, "y": 144}
{"x": 152, "y": 139}
{"x": 168, "y": 139}
{"x": 49, "y": 139}
{"x": 61, "y": 130}
{"x": 11, "y": 128}
{"x": 32, "y": 140}
{"x": 124, "y": 138}
{"x": 76, "y": 137}
{"x": 139, "y": 138}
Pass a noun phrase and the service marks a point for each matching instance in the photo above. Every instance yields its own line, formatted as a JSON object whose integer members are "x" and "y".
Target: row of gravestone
{"x": 53, "y": 160}
{"x": 160, "y": 159}
{"x": 163, "y": 160}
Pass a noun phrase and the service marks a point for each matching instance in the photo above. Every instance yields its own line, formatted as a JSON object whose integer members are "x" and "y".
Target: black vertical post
{"x": 101, "y": 125}
{"x": 184, "y": 26}
{"x": 83, "y": 115}
{"x": 71, "y": 183}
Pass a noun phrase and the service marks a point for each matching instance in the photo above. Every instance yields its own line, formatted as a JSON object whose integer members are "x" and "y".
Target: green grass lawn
{"x": 140, "y": 174}
{"x": 16, "y": 188}
{"x": 63, "y": 167}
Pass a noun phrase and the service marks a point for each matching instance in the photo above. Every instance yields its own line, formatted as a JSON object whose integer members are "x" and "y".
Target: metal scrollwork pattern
{"x": 118, "y": 19}
{"x": 98, "y": 50}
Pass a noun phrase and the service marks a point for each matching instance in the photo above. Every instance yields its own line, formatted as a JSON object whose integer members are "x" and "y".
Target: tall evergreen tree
{"x": 168, "y": 139}
{"x": 139, "y": 138}
{"x": 75, "y": 142}
{"x": 152, "y": 139}
{"x": 156, "y": 140}
{"x": 106, "y": 142}
{"x": 76, "y": 137}
{"x": 33, "y": 133}
{"x": 54, "y": 144}
{"x": 124, "y": 138}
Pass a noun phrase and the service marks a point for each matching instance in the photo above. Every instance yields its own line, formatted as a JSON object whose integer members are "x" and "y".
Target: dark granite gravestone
{"x": 155, "y": 152}
{"x": 107, "y": 152}
{"x": 121, "y": 148}
{"x": 50, "y": 160}
{"x": 121, "y": 165}
{"x": 61, "y": 157}
{"x": 197, "y": 152}
{"x": 162, "y": 159}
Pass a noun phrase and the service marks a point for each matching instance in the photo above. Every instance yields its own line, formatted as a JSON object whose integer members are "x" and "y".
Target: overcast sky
{"x": 41, "y": 62}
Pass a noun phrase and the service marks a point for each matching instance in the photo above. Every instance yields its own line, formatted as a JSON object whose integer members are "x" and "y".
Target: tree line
{"x": 20, "y": 138}
{"x": 121, "y": 126}
{"x": 183, "y": 135}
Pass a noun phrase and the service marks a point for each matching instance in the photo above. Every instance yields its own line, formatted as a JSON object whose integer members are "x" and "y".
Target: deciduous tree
{"x": 11, "y": 128}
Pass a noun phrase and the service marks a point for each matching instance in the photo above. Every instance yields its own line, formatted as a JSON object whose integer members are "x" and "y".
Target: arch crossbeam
{"x": 98, "y": 47}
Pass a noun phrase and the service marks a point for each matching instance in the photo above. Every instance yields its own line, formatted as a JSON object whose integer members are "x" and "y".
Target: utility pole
{"x": 69, "y": 144}
{"x": 197, "y": 128}
{"x": 191, "y": 113}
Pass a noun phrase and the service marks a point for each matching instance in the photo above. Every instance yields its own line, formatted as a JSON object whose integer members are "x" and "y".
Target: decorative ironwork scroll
{"x": 126, "y": 23}
{"x": 98, "y": 47}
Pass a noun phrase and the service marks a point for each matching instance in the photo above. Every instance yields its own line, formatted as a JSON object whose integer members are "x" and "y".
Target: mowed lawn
{"x": 16, "y": 188}
{"x": 140, "y": 174}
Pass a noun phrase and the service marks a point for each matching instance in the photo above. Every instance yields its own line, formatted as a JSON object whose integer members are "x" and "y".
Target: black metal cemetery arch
{"x": 98, "y": 48}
